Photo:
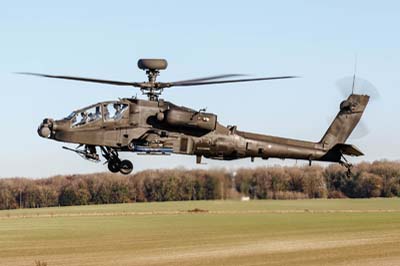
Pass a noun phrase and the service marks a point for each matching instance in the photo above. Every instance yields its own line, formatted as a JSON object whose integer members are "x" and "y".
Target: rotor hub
{"x": 152, "y": 88}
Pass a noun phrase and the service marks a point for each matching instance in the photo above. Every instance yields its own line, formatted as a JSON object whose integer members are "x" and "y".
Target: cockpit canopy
{"x": 102, "y": 112}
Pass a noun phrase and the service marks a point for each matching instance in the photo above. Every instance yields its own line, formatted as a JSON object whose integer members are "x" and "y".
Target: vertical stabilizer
{"x": 346, "y": 120}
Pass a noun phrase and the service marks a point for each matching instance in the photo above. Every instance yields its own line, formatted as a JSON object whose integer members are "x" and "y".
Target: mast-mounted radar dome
{"x": 152, "y": 64}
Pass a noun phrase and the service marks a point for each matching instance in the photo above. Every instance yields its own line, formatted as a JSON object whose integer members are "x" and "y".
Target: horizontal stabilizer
{"x": 348, "y": 149}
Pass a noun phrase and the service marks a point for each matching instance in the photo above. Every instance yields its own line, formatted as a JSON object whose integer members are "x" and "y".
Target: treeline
{"x": 104, "y": 188}
{"x": 377, "y": 179}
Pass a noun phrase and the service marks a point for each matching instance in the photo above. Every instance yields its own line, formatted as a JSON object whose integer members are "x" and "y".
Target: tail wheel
{"x": 114, "y": 166}
{"x": 126, "y": 167}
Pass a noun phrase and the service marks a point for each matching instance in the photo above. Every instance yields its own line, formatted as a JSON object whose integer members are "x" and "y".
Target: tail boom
{"x": 331, "y": 148}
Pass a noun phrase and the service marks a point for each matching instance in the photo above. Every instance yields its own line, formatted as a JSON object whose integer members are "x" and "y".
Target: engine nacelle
{"x": 190, "y": 119}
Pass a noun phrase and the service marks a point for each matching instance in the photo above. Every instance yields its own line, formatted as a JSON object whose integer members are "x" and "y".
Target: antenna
{"x": 354, "y": 75}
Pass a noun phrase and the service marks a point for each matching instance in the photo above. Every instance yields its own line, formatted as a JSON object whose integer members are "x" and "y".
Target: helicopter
{"x": 158, "y": 127}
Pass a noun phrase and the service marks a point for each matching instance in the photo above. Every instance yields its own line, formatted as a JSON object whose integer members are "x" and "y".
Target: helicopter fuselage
{"x": 161, "y": 127}
{"x": 155, "y": 126}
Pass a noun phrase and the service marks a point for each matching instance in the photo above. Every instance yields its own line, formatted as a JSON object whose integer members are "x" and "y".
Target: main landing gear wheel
{"x": 114, "y": 165}
{"x": 126, "y": 167}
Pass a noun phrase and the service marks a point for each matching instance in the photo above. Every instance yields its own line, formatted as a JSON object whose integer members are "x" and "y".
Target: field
{"x": 303, "y": 232}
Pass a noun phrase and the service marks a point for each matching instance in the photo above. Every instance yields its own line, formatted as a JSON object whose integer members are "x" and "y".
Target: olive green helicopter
{"x": 158, "y": 127}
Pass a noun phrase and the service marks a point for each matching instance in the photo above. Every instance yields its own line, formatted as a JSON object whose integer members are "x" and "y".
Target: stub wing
{"x": 348, "y": 149}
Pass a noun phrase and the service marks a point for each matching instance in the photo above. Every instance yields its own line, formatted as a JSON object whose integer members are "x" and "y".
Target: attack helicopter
{"x": 158, "y": 127}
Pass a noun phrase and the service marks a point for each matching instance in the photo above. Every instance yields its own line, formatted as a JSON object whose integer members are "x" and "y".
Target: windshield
{"x": 87, "y": 116}
{"x": 114, "y": 111}
{"x": 108, "y": 112}
{"x": 70, "y": 116}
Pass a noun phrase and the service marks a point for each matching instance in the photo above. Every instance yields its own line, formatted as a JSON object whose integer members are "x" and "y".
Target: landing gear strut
{"x": 346, "y": 164}
{"x": 115, "y": 164}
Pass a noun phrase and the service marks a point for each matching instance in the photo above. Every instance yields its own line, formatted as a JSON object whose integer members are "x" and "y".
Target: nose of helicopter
{"x": 45, "y": 128}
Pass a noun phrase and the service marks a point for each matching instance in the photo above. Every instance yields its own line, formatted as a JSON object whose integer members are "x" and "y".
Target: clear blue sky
{"x": 314, "y": 39}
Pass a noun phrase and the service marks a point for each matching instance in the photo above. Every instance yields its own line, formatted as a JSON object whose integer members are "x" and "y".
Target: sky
{"x": 316, "y": 40}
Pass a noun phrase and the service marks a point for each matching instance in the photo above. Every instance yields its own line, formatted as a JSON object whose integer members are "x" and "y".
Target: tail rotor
{"x": 355, "y": 85}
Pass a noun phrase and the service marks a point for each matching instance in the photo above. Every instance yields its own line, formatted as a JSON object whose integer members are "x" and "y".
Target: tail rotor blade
{"x": 349, "y": 85}
{"x": 360, "y": 131}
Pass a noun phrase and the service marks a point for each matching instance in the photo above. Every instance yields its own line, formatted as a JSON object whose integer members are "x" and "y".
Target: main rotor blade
{"x": 229, "y": 81}
{"x": 111, "y": 82}
{"x": 160, "y": 85}
{"x": 208, "y": 78}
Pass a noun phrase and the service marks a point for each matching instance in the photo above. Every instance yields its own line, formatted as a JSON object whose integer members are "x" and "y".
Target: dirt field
{"x": 304, "y": 232}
